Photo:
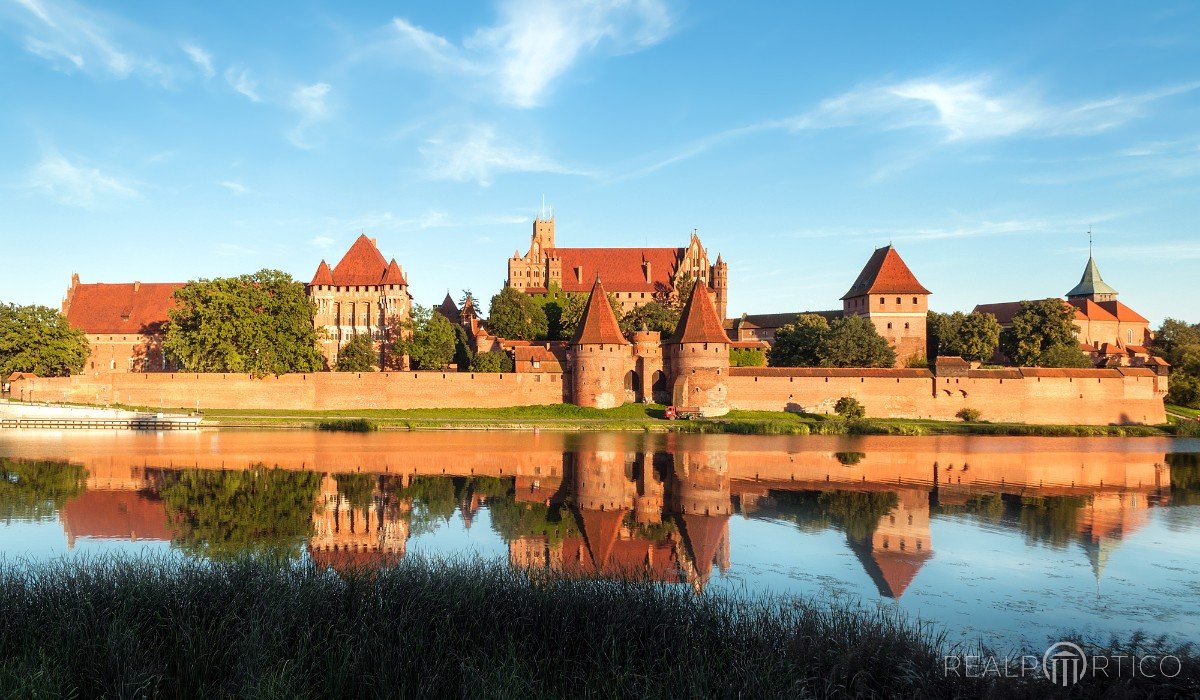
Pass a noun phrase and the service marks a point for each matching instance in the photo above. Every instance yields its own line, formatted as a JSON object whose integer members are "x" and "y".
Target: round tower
{"x": 698, "y": 356}
{"x": 600, "y": 355}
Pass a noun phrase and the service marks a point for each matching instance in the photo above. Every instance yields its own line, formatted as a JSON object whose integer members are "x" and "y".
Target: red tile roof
{"x": 1004, "y": 311}
{"x": 1088, "y": 310}
{"x": 600, "y": 528}
{"x": 621, "y": 268}
{"x": 892, "y": 571}
{"x": 363, "y": 265}
{"x": 885, "y": 273}
{"x": 1137, "y": 371}
{"x": 703, "y": 534}
{"x": 598, "y": 324}
{"x": 699, "y": 322}
{"x": 132, "y": 308}
{"x": 1121, "y": 312}
{"x": 124, "y": 515}
{"x": 323, "y": 275}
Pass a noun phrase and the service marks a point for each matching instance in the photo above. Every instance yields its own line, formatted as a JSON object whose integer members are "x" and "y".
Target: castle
{"x": 635, "y": 276}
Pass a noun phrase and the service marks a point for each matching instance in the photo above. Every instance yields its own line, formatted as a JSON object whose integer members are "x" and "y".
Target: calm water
{"x": 1011, "y": 540}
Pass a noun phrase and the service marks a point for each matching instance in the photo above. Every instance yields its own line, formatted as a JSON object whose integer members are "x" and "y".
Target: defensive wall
{"x": 1017, "y": 395}
{"x": 301, "y": 392}
{"x": 1024, "y": 395}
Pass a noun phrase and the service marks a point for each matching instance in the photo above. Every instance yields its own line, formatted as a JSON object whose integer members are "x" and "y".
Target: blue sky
{"x": 171, "y": 141}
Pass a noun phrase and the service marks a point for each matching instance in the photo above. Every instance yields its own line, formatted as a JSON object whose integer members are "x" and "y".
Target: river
{"x": 1007, "y": 540}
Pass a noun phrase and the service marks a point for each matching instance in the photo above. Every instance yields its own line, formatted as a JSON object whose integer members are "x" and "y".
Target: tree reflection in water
{"x": 32, "y": 490}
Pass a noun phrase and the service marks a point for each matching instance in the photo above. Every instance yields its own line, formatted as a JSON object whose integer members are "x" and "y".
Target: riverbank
{"x": 645, "y": 418}
{"x": 179, "y": 627}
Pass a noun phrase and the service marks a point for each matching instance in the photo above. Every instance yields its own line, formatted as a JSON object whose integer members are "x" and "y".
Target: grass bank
{"x": 646, "y": 417}
{"x": 186, "y": 628}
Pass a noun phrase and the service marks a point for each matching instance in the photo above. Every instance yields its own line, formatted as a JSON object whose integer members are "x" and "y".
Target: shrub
{"x": 849, "y": 408}
{"x": 1188, "y": 428}
{"x": 492, "y": 362}
{"x": 849, "y": 459}
{"x": 747, "y": 357}
{"x": 969, "y": 415}
{"x": 348, "y": 425}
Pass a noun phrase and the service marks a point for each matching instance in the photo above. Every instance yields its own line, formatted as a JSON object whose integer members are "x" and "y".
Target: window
{"x": 897, "y": 300}
{"x": 882, "y": 300}
{"x": 914, "y": 300}
{"x": 905, "y": 326}
{"x": 889, "y": 326}
{"x": 1129, "y": 336}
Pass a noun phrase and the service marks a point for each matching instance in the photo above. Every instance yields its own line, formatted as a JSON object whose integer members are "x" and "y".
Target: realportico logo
{"x": 1064, "y": 664}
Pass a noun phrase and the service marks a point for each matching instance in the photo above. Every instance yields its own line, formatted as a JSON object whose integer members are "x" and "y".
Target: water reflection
{"x": 600, "y": 504}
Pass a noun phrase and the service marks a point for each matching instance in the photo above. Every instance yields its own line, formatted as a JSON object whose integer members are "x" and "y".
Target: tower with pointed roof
{"x": 888, "y": 294}
{"x": 698, "y": 356}
{"x": 363, "y": 293}
{"x": 601, "y": 357}
{"x": 1092, "y": 286}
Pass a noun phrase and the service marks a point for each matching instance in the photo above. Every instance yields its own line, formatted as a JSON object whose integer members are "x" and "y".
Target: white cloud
{"x": 322, "y": 242}
{"x": 975, "y": 109}
{"x": 241, "y": 81}
{"x": 234, "y": 187}
{"x": 312, "y": 104}
{"x": 201, "y": 58}
{"x": 77, "y": 185}
{"x": 475, "y": 153}
{"x": 431, "y": 219}
{"x": 75, "y": 38}
{"x": 535, "y": 42}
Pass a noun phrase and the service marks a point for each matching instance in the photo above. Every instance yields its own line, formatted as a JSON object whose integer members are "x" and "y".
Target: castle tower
{"x": 700, "y": 496}
{"x": 543, "y": 231}
{"x": 600, "y": 355}
{"x": 720, "y": 286}
{"x": 1091, "y": 286}
{"x": 698, "y": 356}
{"x": 888, "y": 294}
{"x": 899, "y": 546}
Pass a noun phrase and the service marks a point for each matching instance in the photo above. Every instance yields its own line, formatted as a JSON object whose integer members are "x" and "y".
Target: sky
{"x": 172, "y": 141}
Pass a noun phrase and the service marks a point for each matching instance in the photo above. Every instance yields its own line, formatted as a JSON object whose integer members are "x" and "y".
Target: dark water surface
{"x": 1011, "y": 540}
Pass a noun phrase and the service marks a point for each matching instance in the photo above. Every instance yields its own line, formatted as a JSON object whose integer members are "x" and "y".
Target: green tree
{"x": 427, "y": 338}
{"x": 972, "y": 336}
{"x": 358, "y": 355}
{"x": 357, "y": 489}
{"x": 38, "y": 339}
{"x": 261, "y": 324}
{"x": 747, "y": 357}
{"x": 849, "y": 408}
{"x": 797, "y": 344}
{"x": 463, "y": 354}
{"x": 1038, "y": 327}
{"x": 516, "y": 316}
{"x": 1063, "y": 356}
{"x": 1178, "y": 342}
{"x": 492, "y": 362}
{"x": 654, "y": 316}
{"x": 564, "y": 311}
{"x": 224, "y": 514}
{"x": 854, "y": 342}
{"x": 37, "y": 490}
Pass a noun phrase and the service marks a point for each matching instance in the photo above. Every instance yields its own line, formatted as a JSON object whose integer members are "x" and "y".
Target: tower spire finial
{"x": 1089, "y": 240}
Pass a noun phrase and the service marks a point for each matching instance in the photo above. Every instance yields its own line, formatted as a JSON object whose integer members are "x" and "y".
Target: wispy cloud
{"x": 431, "y": 219}
{"x": 321, "y": 242}
{"x": 976, "y": 108}
{"x": 476, "y": 153}
{"x": 1160, "y": 251}
{"x": 234, "y": 187}
{"x": 75, "y": 184}
{"x": 966, "y": 227}
{"x": 535, "y": 42}
{"x": 311, "y": 102}
{"x": 201, "y": 58}
{"x": 240, "y": 80}
{"x": 954, "y": 110}
{"x": 75, "y": 38}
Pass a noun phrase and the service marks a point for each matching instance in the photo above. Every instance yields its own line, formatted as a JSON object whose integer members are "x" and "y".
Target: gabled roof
{"x": 393, "y": 274}
{"x": 1088, "y": 310}
{"x": 1091, "y": 282}
{"x": 134, "y": 307}
{"x": 363, "y": 264}
{"x": 885, "y": 273}
{"x": 1121, "y": 312}
{"x": 598, "y": 325}
{"x": 622, "y": 268}
{"x": 703, "y": 535}
{"x": 890, "y": 570}
{"x": 323, "y": 275}
{"x": 600, "y": 529}
{"x": 449, "y": 309}
{"x": 699, "y": 322}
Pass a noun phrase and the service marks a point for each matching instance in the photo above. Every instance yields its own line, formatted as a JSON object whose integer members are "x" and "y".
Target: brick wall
{"x": 1095, "y": 397}
{"x": 319, "y": 391}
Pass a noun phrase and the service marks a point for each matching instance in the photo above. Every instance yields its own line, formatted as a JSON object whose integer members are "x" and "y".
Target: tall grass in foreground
{"x": 249, "y": 628}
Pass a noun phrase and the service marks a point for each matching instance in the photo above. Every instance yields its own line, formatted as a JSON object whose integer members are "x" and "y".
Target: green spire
{"x": 1091, "y": 283}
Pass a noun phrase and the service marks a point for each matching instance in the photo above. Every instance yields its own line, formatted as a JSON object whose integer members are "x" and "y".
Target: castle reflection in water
{"x": 603, "y": 504}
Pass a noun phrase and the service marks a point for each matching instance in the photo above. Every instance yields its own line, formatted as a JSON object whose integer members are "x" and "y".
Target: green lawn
{"x": 1181, "y": 410}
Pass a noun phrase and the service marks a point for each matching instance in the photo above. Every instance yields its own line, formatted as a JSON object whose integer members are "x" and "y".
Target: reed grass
{"x": 179, "y": 627}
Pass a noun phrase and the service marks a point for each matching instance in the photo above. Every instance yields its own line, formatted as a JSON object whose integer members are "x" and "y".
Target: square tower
{"x": 888, "y": 293}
